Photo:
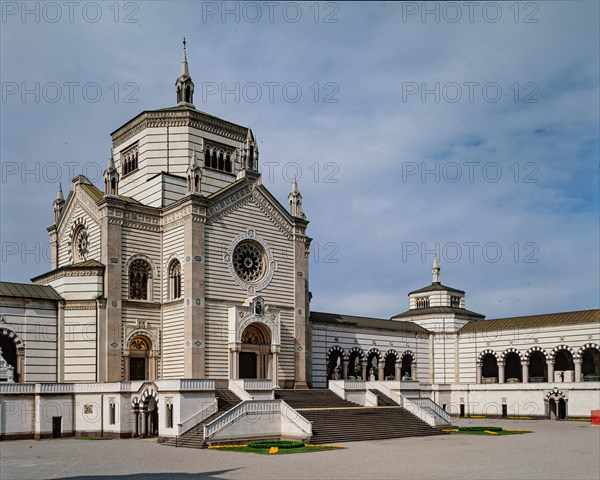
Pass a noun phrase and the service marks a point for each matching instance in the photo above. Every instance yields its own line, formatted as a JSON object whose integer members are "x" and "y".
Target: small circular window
{"x": 249, "y": 261}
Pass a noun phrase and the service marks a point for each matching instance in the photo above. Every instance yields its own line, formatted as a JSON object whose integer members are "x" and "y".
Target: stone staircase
{"x": 194, "y": 437}
{"x": 337, "y": 420}
{"x": 382, "y": 399}
{"x": 313, "y": 398}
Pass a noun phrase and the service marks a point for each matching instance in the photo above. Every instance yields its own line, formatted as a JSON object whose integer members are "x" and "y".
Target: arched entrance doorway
{"x": 590, "y": 363}
{"x": 513, "y": 369}
{"x": 407, "y": 367}
{"x": 556, "y": 405}
{"x": 145, "y": 412}
{"x": 255, "y": 352}
{"x": 374, "y": 368}
{"x": 138, "y": 362}
{"x": 564, "y": 367}
{"x": 538, "y": 367}
{"x": 13, "y": 352}
{"x": 389, "y": 368}
{"x": 356, "y": 363}
{"x": 335, "y": 365}
{"x": 489, "y": 368}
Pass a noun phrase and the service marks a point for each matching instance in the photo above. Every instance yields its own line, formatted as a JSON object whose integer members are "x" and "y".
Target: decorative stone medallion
{"x": 250, "y": 261}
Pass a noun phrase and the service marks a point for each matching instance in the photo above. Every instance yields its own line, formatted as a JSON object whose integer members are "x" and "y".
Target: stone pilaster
{"x": 110, "y": 340}
{"x": 53, "y": 247}
{"x": 194, "y": 287}
{"x": 302, "y": 345}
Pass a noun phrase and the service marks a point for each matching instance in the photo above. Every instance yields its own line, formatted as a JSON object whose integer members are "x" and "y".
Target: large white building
{"x": 183, "y": 279}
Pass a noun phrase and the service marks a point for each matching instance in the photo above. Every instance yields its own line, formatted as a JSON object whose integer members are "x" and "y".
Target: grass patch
{"x": 483, "y": 431}
{"x": 262, "y": 448}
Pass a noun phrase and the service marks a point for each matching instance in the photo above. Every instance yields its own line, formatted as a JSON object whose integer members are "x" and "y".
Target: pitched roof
{"x": 86, "y": 265}
{"x": 364, "y": 322}
{"x": 531, "y": 321}
{"x": 25, "y": 290}
{"x": 436, "y": 287}
{"x": 97, "y": 194}
{"x": 420, "y": 312}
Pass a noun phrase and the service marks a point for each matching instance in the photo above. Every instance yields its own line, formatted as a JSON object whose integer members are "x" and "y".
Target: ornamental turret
{"x": 58, "y": 204}
{"x": 194, "y": 174}
{"x": 295, "y": 201}
{"x": 111, "y": 177}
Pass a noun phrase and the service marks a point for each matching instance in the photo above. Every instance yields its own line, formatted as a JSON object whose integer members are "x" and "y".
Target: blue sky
{"x": 470, "y": 133}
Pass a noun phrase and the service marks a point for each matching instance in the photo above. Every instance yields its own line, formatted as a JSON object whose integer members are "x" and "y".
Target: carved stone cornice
{"x": 273, "y": 211}
{"x": 38, "y": 304}
{"x": 68, "y": 271}
{"x": 141, "y": 305}
{"x": 178, "y": 118}
{"x": 81, "y": 305}
{"x": 229, "y": 202}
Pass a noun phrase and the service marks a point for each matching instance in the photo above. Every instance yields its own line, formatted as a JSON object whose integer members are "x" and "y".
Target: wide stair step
{"x": 313, "y": 398}
{"x": 194, "y": 437}
{"x": 357, "y": 424}
{"x": 337, "y": 420}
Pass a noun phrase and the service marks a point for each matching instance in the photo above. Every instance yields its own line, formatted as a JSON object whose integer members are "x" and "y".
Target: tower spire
{"x": 184, "y": 72}
{"x": 295, "y": 201}
{"x": 194, "y": 174}
{"x": 111, "y": 177}
{"x": 435, "y": 270}
{"x": 184, "y": 85}
{"x": 58, "y": 204}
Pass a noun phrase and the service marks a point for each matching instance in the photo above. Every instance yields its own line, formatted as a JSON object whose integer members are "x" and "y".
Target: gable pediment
{"x": 248, "y": 191}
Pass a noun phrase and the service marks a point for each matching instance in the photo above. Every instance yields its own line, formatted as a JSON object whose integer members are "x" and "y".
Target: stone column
{"x": 398, "y": 370}
{"x": 413, "y": 370}
{"x": 275, "y": 351}
{"x": 20, "y": 366}
{"x": 550, "y": 364}
{"x": 478, "y": 370}
{"x": 525, "y": 372}
{"x": 577, "y": 362}
{"x": 136, "y": 422}
{"x": 235, "y": 362}
{"x": 363, "y": 370}
{"x": 144, "y": 423}
{"x": 345, "y": 362}
{"x": 381, "y": 366}
{"x": 126, "y": 369}
{"x": 500, "y": 372}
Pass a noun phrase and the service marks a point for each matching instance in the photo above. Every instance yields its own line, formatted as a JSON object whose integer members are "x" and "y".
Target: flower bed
{"x": 483, "y": 431}
{"x": 275, "y": 447}
{"x": 276, "y": 443}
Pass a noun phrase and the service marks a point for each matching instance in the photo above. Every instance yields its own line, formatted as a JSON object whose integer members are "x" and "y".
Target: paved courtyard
{"x": 556, "y": 450}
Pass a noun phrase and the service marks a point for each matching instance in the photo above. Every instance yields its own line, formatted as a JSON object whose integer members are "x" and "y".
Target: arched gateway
{"x": 254, "y": 341}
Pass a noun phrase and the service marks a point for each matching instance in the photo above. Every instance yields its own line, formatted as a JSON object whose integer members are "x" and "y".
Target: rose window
{"x": 249, "y": 262}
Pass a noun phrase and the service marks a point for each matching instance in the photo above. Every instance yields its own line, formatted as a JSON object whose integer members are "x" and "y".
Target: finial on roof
{"x": 111, "y": 161}
{"x": 435, "y": 270}
{"x": 295, "y": 201}
{"x": 59, "y": 194}
{"x": 184, "y": 72}
{"x": 193, "y": 162}
{"x": 184, "y": 85}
